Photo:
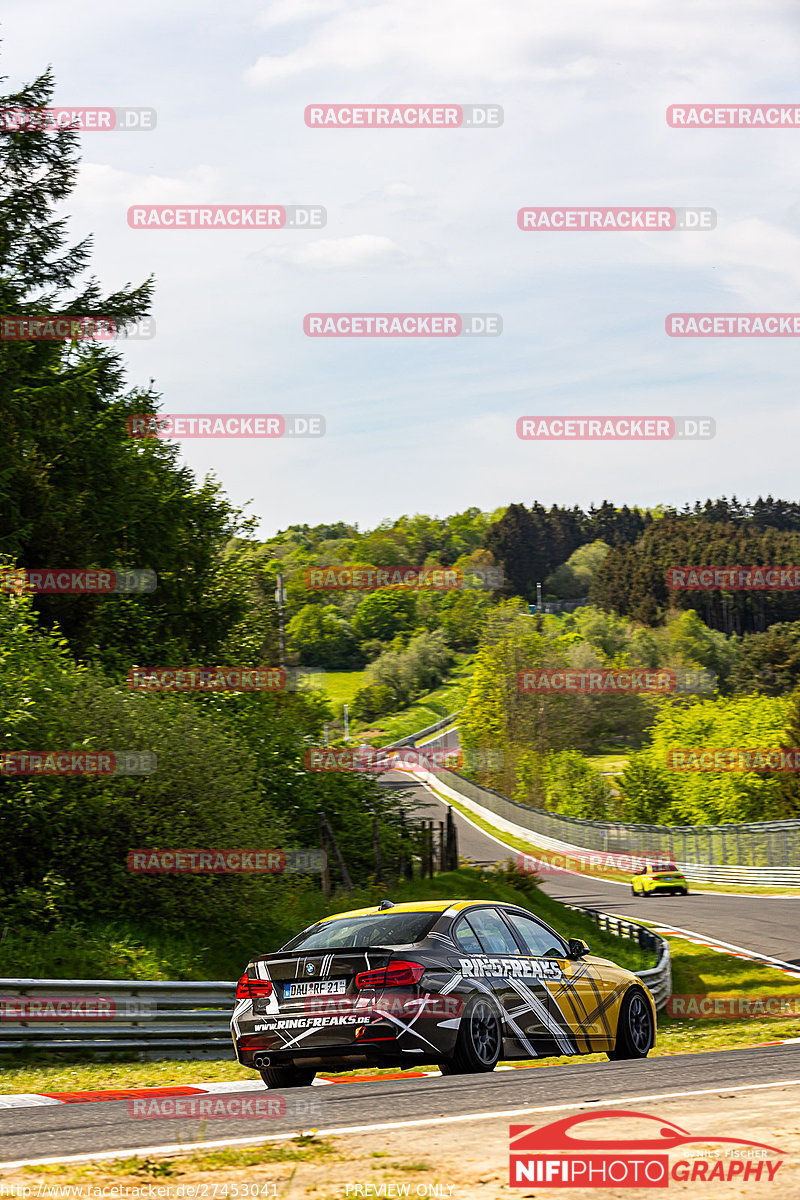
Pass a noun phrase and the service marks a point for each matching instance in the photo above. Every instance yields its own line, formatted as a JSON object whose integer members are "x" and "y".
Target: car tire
{"x": 635, "y": 1027}
{"x": 479, "y": 1042}
{"x": 287, "y": 1077}
{"x": 634, "y": 891}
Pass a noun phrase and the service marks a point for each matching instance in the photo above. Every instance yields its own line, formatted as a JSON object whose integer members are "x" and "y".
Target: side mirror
{"x": 578, "y": 948}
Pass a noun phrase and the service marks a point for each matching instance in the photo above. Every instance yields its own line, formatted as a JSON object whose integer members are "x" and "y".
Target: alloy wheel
{"x": 485, "y": 1032}
{"x": 639, "y": 1023}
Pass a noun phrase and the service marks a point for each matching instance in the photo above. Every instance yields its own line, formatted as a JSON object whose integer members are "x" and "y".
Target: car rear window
{"x": 387, "y": 929}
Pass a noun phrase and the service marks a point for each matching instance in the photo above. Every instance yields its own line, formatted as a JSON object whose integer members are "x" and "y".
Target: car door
{"x": 581, "y": 1003}
{"x": 498, "y": 963}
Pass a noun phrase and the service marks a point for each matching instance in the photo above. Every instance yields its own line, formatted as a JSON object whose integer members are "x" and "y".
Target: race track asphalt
{"x": 762, "y": 924}
{"x": 87, "y": 1129}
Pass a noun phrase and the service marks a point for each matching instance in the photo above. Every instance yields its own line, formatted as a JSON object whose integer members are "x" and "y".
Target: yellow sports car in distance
{"x": 659, "y": 878}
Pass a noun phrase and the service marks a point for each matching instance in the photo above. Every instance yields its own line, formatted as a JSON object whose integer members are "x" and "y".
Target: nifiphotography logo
{"x": 554, "y": 1156}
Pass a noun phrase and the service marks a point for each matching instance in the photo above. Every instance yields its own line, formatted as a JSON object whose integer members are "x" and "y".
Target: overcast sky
{"x": 425, "y": 221}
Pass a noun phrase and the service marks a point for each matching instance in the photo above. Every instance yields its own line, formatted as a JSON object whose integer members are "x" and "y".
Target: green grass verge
{"x": 340, "y": 687}
{"x": 112, "y": 952}
{"x": 697, "y": 970}
{"x": 610, "y": 763}
{"x": 427, "y": 710}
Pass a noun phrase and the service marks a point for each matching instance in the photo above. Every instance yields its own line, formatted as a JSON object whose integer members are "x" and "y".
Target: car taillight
{"x": 253, "y": 989}
{"x": 397, "y": 974}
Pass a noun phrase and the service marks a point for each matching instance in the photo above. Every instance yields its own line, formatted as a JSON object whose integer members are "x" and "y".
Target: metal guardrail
{"x": 153, "y": 1015}
{"x": 776, "y": 841}
{"x": 413, "y": 738}
{"x": 190, "y": 1019}
{"x": 774, "y": 844}
{"x": 658, "y": 978}
{"x": 754, "y": 876}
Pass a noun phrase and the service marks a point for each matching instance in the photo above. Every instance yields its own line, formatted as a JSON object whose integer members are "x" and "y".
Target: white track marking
{"x": 175, "y": 1149}
{"x": 24, "y": 1100}
{"x": 246, "y": 1085}
{"x": 512, "y": 850}
{"x": 706, "y": 939}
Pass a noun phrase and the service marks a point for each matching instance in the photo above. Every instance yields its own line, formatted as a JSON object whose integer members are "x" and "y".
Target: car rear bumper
{"x": 335, "y": 1058}
{"x": 374, "y": 1033}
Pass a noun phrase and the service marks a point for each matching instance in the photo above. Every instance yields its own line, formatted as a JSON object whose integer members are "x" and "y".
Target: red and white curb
{"x": 720, "y": 947}
{"x": 41, "y": 1099}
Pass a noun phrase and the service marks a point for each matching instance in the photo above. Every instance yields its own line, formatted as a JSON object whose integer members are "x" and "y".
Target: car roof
{"x": 414, "y": 906}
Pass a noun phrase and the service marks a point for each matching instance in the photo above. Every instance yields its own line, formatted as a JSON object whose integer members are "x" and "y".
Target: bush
{"x": 419, "y": 668}
{"x": 574, "y": 788}
{"x": 321, "y": 637}
{"x": 372, "y": 701}
{"x": 384, "y": 613}
{"x": 694, "y": 797}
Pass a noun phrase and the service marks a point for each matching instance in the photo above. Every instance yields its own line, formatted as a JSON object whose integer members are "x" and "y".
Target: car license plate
{"x": 319, "y": 987}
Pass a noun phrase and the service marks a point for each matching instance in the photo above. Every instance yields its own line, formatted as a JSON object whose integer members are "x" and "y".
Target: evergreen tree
{"x": 75, "y": 489}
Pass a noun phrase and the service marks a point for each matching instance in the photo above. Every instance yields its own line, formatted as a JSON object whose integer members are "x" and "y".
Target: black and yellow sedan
{"x": 460, "y": 984}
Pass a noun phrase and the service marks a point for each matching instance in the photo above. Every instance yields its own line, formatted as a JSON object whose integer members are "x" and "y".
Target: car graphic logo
{"x": 553, "y": 1156}
{"x": 309, "y": 968}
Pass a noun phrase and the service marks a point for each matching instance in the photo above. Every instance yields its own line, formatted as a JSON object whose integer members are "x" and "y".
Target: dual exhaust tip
{"x": 261, "y": 1060}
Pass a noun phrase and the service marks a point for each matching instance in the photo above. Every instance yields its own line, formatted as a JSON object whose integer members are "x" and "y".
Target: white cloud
{"x": 425, "y": 221}
{"x": 101, "y": 185}
{"x": 363, "y": 252}
{"x": 516, "y": 40}
{"x": 289, "y": 12}
{"x": 399, "y": 191}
